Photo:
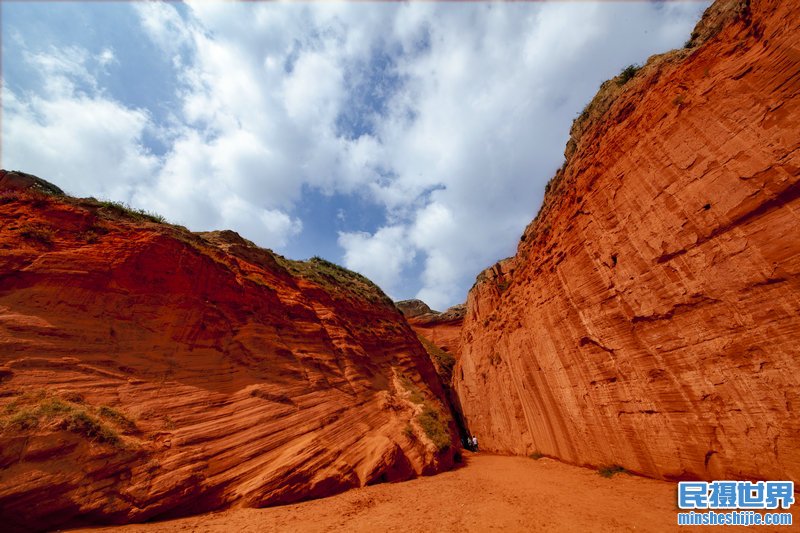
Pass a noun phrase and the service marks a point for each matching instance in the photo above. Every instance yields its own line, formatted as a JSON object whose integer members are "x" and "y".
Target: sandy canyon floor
{"x": 488, "y": 493}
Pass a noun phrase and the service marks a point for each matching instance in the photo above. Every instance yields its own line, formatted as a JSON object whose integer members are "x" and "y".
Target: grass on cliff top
{"x": 124, "y": 210}
{"x": 443, "y": 361}
{"x": 40, "y": 409}
{"x": 335, "y": 279}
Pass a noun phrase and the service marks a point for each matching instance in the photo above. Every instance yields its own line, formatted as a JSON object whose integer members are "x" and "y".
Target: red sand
{"x": 491, "y": 493}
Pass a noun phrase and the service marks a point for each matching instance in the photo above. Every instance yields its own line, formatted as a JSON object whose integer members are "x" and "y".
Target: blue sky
{"x": 408, "y": 141}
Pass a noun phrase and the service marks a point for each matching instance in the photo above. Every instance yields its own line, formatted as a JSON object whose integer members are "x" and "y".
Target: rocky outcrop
{"x": 148, "y": 372}
{"x": 442, "y": 329}
{"x": 440, "y": 335}
{"x": 651, "y": 315}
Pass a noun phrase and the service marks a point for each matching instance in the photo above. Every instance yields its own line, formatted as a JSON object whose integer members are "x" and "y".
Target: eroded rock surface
{"x": 442, "y": 329}
{"x": 651, "y": 315}
{"x": 148, "y": 372}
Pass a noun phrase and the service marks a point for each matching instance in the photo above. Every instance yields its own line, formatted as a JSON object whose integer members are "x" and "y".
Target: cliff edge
{"x": 650, "y": 316}
{"x": 149, "y": 372}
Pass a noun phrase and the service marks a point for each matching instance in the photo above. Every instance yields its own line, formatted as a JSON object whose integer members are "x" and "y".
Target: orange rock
{"x": 148, "y": 372}
{"x": 651, "y": 315}
{"x": 442, "y": 329}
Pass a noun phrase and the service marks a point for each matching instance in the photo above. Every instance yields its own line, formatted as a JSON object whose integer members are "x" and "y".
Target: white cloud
{"x": 106, "y": 57}
{"x": 271, "y": 225}
{"x": 164, "y": 25}
{"x": 381, "y": 256}
{"x": 450, "y": 117}
{"x": 70, "y": 132}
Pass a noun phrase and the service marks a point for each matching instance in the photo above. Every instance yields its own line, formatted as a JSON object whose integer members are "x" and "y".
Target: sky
{"x": 409, "y": 141}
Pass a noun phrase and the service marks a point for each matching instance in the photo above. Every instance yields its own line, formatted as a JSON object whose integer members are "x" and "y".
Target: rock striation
{"x": 440, "y": 335}
{"x": 148, "y": 372}
{"x": 651, "y": 315}
{"x": 442, "y": 329}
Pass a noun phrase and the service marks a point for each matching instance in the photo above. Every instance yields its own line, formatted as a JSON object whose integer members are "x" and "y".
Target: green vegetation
{"x": 335, "y": 279}
{"x": 415, "y": 394}
{"x": 123, "y": 209}
{"x": 51, "y": 407}
{"x": 627, "y": 74}
{"x": 24, "y": 419}
{"x": 85, "y": 424}
{"x": 610, "y": 470}
{"x": 433, "y": 423}
{"x": 690, "y": 43}
{"x": 8, "y": 196}
{"x": 435, "y": 427}
{"x": 38, "y": 408}
{"x": 38, "y": 234}
{"x": 72, "y": 396}
{"x": 115, "y": 416}
{"x": 536, "y": 456}
{"x": 443, "y": 361}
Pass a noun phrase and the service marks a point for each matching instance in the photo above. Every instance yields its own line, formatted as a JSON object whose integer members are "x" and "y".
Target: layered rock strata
{"x": 149, "y": 372}
{"x": 651, "y": 315}
{"x": 442, "y": 329}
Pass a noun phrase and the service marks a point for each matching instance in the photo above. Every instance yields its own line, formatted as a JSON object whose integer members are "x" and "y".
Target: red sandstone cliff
{"x": 442, "y": 329}
{"x": 146, "y": 371}
{"x": 651, "y": 315}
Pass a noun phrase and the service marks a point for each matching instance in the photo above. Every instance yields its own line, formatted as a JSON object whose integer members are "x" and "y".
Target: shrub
{"x": 83, "y": 423}
{"x": 335, "y": 279}
{"x": 37, "y": 407}
{"x": 52, "y": 407}
{"x": 627, "y": 74}
{"x": 415, "y": 394}
{"x": 72, "y": 396}
{"x": 610, "y": 470}
{"x": 117, "y": 417}
{"x": 125, "y": 210}
{"x": 435, "y": 427}
{"x": 38, "y": 234}
{"x": 443, "y": 361}
{"x": 536, "y": 456}
{"x": 25, "y": 419}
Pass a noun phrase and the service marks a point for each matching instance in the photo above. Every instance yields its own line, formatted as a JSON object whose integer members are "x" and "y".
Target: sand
{"x": 488, "y": 493}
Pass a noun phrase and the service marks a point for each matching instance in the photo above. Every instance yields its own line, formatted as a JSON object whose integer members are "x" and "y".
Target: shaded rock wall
{"x": 442, "y": 329}
{"x": 149, "y": 372}
{"x": 651, "y": 315}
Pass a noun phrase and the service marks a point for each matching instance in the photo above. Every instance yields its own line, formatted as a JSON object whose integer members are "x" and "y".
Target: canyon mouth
{"x": 647, "y": 326}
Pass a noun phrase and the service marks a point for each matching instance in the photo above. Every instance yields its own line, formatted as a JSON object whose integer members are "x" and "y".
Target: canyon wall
{"x": 651, "y": 315}
{"x": 442, "y": 329}
{"x": 149, "y": 372}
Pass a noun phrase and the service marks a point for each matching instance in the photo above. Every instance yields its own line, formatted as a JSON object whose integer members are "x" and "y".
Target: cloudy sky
{"x": 408, "y": 141}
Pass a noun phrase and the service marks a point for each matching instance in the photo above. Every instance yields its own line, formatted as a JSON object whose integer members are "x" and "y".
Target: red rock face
{"x": 442, "y": 329}
{"x": 650, "y": 317}
{"x": 149, "y": 372}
